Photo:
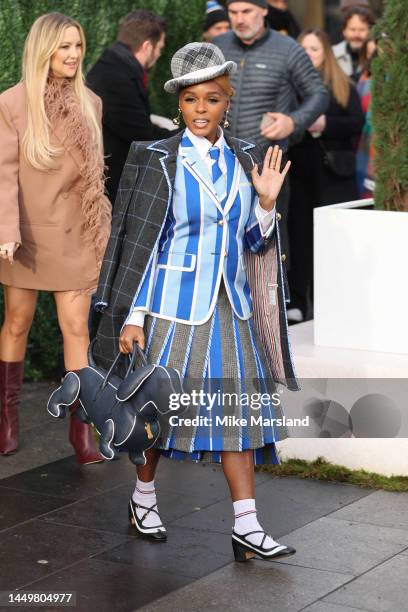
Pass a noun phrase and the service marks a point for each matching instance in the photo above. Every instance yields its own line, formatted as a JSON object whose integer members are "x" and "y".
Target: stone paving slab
{"x": 103, "y": 586}
{"x": 186, "y": 552}
{"x": 383, "y": 589}
{"x": 20, "y": 506}
{"x": 295, "y": 503}
{"x": 25, "y": 545}
{"x": 383, "y": 508}
{"x": 343, "y": 546}
{"x": 320, "y": 606}
{"x": 66, "y": 479}
{"x": 261, "y": 586}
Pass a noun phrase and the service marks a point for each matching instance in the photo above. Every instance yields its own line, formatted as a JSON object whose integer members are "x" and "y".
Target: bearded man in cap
{"x": 273, "y": 73}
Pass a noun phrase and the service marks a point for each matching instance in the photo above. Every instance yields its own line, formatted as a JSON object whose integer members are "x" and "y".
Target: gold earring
{"x": 177, "y": 119}
{"x": 226, "y": 123}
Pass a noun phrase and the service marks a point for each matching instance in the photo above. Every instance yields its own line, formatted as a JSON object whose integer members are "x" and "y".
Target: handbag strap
{"x": 136, "y": 351}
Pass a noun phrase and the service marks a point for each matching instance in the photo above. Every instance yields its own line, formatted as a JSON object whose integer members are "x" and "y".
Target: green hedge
{"x": 390, "y": 103}
{"x": 99, "y": 19}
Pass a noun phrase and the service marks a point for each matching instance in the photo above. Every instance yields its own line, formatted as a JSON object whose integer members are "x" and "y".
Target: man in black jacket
{"x": 119, "y": 77}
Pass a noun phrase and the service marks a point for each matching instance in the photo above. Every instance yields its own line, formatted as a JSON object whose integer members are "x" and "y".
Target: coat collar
{"x": 169, "y": 147}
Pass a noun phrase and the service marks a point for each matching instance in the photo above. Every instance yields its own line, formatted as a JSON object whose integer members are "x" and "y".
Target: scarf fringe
{"x": 62, "y": 106}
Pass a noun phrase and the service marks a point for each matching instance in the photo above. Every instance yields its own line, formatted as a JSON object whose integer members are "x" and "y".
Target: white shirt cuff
{"x": 137, "y": 317}
{"x": 266, "y": 219}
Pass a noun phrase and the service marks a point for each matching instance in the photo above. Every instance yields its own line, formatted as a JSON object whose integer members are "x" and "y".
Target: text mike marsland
{"x": 233, "y": 421}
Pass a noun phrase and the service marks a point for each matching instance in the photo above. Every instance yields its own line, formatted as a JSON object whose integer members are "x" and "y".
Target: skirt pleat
{"x": 222, "y": 357}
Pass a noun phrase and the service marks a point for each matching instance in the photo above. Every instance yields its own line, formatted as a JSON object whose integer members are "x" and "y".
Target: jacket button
{"x": 278, "y": 216}
{"x": 283, "y": 257}
{"x": 225, "y": 253}
{"x": 65, "y": 195}
{"x": 221, "y": 222}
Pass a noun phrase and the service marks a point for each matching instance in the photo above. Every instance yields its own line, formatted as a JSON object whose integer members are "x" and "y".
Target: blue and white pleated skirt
{"x": 235, "y": 404}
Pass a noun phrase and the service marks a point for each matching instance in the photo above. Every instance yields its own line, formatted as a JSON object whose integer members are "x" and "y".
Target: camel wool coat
{"x": 41, "y": 209}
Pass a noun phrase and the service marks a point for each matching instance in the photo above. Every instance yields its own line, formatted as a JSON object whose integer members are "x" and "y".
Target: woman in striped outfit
{"x": 190, "y": 207}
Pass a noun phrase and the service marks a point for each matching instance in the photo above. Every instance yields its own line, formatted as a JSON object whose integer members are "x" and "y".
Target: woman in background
{"x": 324, "y": 166}
{"x": 55, "y": 218}
{"x": 365, "y": 152}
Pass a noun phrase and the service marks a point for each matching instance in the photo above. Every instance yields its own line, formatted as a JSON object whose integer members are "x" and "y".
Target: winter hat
{"x": 195, "y": 63}
{"x": 214, "y": 14}
{"x": 345, "y": 5}
{"x": 260, "y": 3}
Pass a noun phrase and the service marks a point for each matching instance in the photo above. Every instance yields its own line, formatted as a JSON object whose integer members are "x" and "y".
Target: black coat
{"x": 144, "y": 196}
{"x": 117, "y": 77}
{"x": 343, "y": 129}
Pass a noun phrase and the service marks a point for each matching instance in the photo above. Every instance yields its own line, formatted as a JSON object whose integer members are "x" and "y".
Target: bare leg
{"x": 239, "y": 471}
{"x": 73, "y": 312}
{"x": 18, "y": 316}
{"x": 146, "y": 472}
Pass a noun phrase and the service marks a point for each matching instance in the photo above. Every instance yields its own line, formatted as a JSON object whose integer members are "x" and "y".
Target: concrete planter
{"x": 360, "y": 272}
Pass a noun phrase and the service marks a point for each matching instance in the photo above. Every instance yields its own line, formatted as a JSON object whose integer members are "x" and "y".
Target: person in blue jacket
{"x": 174, "y": 280}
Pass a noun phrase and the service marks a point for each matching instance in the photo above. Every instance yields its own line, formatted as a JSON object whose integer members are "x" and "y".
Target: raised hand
{"x": 269, "y": 183}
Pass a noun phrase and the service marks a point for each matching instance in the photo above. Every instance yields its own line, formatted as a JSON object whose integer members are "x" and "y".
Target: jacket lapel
{"x": 245, "y": 154}
{"x": 196, "y": 166}
{"x": 168, "y": 160}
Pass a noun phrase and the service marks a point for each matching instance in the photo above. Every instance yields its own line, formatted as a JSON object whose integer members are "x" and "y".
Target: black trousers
{"x": 312, "y": 184}
{"x": 305, "y": 177}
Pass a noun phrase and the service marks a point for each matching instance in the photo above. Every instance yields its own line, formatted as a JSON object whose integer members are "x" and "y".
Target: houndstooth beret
{"x": 195, "y": 63}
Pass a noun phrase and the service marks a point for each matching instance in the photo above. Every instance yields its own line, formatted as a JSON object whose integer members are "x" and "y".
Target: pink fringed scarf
{"x": 62, "y": 107}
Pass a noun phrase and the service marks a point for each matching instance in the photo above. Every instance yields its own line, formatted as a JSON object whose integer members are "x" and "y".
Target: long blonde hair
{"x": 333, "y": 76}
{"x": 41, "y": 43}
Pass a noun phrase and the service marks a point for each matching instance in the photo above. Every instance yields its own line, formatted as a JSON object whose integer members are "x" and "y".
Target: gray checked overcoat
{"x": 144, "y": 196}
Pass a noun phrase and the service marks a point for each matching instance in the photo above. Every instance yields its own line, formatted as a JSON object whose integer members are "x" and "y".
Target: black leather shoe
{"x": 244, "y": 550}
{"x": 156, "y": 533}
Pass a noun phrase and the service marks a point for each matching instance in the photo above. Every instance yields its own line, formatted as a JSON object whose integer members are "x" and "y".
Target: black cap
{"x": 214, "y": 14}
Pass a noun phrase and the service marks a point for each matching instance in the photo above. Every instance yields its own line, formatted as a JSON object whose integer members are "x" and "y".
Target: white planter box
{"x": 360, "y": 277}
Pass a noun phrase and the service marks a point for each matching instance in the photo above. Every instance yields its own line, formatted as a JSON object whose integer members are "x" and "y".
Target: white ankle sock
{"x": 246, "y": 520}
{"x": 145, "y": 495}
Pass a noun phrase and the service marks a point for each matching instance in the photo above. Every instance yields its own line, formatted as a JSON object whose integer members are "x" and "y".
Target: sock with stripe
{"x": 145, "y": 495}
{"x": 246, "y": 520}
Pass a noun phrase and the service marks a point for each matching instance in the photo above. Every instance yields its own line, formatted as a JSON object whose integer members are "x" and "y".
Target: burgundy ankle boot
{"x": 81, "y": 438}
{"x": 11, "y": 379}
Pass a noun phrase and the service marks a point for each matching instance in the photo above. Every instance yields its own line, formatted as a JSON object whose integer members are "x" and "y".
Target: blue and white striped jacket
{"x": 202, "y": 242}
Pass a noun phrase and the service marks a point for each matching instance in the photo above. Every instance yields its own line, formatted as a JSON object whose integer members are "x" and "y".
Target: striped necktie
{"x": 216, "y": 170}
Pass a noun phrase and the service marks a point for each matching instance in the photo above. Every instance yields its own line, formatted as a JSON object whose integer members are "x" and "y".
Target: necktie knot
{"x": 215, "y": 154}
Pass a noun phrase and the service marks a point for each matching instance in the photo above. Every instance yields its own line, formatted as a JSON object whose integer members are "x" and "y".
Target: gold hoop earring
{"x": 177, "y": 120}
{"x": 226, "y": 123}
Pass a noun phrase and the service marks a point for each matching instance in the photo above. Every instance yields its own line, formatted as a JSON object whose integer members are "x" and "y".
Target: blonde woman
{"x": 55, "y": 218}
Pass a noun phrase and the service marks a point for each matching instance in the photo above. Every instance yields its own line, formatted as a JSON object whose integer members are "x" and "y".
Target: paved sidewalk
{"x": 65, "y": 528}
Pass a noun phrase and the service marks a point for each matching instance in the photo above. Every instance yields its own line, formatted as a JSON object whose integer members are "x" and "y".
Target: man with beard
{"x": 274, "y": 72}
{"x": 357, "y": 23}
{"x": 119, "y": 77}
